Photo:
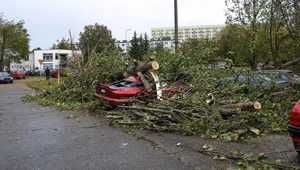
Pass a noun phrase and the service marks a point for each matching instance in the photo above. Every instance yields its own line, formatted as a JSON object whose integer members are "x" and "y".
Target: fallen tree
{"x": 295, "y": 61}
{"x": 222, "y": 113}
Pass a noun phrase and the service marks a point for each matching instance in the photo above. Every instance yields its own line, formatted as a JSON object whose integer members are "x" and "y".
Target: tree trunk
{"x": 145, "y": 82}
{"x": 226, "y": 113}
{"x": 2, "y": 51}
{"x": 247, "y": 106}
{"x": 240, "y": 132}
{"x": 290, "y": 63}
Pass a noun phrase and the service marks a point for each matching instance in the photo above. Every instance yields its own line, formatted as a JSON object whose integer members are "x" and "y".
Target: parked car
{"x": 62, "y": 73}
{"x": 120, "y": 92}
{"x": 6, "y": 78}
{"x": 294, "y": 126}
{"x": 18, "y": 74}
{"x": 281, "y": 75}
{"x": 30, "y": 73}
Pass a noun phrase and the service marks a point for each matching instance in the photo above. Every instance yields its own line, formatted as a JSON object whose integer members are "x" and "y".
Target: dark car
{"x": 6, "y": 78}
{"x": 294, "y": 126}
{"x": 121, "y": 92}
{"x": 281, "y": 75}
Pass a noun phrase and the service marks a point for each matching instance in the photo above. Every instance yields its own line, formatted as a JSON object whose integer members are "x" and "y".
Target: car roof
{"x": 279, "y": 71}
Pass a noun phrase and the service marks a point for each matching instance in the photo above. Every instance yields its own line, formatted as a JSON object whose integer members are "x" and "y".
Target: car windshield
{"x": 280, "y": 76}
{"x": 263, "y": 78}
{"x": 3, "y": 74}
{"x": 125, "y": 83}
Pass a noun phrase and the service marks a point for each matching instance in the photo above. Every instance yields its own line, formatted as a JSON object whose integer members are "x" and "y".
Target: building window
{"x": 166, "y": 43}
{"x": 47, "y": 57}
{"x": 123, "y": 45}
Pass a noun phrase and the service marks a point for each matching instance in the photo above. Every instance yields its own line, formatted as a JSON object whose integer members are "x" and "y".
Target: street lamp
{"x": 126, "y": 40}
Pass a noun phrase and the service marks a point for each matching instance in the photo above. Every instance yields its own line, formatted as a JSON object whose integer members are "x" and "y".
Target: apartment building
{"x": 186, "y": 32}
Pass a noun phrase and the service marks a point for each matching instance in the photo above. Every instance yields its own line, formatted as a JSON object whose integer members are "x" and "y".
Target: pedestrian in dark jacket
{"x": 47, "y": 72}
{"x": 268, "y": 66}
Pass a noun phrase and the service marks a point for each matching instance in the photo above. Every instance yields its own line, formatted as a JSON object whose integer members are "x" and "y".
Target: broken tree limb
{"x": 153, "y": 56}
{"x": 240, "y": 132}
{"x": 150, "y": 65}
{"x": 145, "y": 82}
{"x": 226, "y": 102}
{"x": 73, "y": 51}
{"x": 145, "y": 116}
{"x": 147, "y": 109}
{"x": 290, "y": 63}
{"x": 246, "y": 106}
{"x": 226, "y": 113}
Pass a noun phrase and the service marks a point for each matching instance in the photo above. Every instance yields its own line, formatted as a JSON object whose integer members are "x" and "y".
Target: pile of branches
{"x": 178, "y": 114}
{"x": 214, "y": 110}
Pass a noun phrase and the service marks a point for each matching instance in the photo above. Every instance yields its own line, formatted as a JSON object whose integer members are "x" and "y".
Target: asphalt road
{"x": 39, "y": 137}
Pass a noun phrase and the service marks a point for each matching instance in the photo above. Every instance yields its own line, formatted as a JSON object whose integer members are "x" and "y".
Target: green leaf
{"x": 260, "y": 156}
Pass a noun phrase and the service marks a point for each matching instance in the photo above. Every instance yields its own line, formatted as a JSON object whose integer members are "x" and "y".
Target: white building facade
{"x": 53, "y": 59}
{"x": 123, "y": 45}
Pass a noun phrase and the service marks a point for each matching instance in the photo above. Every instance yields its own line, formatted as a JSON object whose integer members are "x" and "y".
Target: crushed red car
{"x": 123, "y": 91}
{"x": 294, "y": 126}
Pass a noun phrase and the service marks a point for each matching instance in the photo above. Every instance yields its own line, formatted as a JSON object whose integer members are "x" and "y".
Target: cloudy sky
{"x": 49, "y": 20}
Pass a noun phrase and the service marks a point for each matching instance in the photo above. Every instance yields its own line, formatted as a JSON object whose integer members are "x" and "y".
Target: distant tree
{"x": 38, "y": 48}
{"x": 64, "y": 44}
{"x": 14, "y": 41}
{"x": 146, "y": 43}
{"x": 233, "y": 43}
{"x": 198, "y": 50}
{"x": 94, "y": 39}
{"x": 139, "y": 46}
{"x": 134, "y": 47}
{"x": 249, "y": 14}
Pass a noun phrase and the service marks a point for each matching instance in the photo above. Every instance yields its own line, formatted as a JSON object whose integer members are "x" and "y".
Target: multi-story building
{"x": 186, "y": 32}
{"x": 53, "y": 59}
{"x": 165, "y": 41}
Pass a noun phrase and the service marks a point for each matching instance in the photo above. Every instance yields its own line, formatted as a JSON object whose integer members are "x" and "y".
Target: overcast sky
{"x": 49, "y": 20}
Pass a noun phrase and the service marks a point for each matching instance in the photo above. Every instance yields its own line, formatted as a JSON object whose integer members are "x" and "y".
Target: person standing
{"x": 268, "y": 66}
{"x": 47, "y": 71}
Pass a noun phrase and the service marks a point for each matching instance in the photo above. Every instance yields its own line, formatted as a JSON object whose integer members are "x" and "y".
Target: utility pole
{"x": 176, "y": 25}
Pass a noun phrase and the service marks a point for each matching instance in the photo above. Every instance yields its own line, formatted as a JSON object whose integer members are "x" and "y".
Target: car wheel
{"x": 24, "y": 77}
{"x": 297, "y": 147}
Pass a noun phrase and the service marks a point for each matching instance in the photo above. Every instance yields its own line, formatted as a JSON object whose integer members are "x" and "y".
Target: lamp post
{"x": 126, "y": 40}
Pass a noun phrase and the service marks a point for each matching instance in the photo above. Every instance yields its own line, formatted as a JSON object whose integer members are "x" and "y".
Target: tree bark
{"x": 145, "y": 82}
{"x": 226, "y": 113}
{"x": 246, "y": 106}
{"x": 290, "y": 63}
{"x": 240, "y": 132}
